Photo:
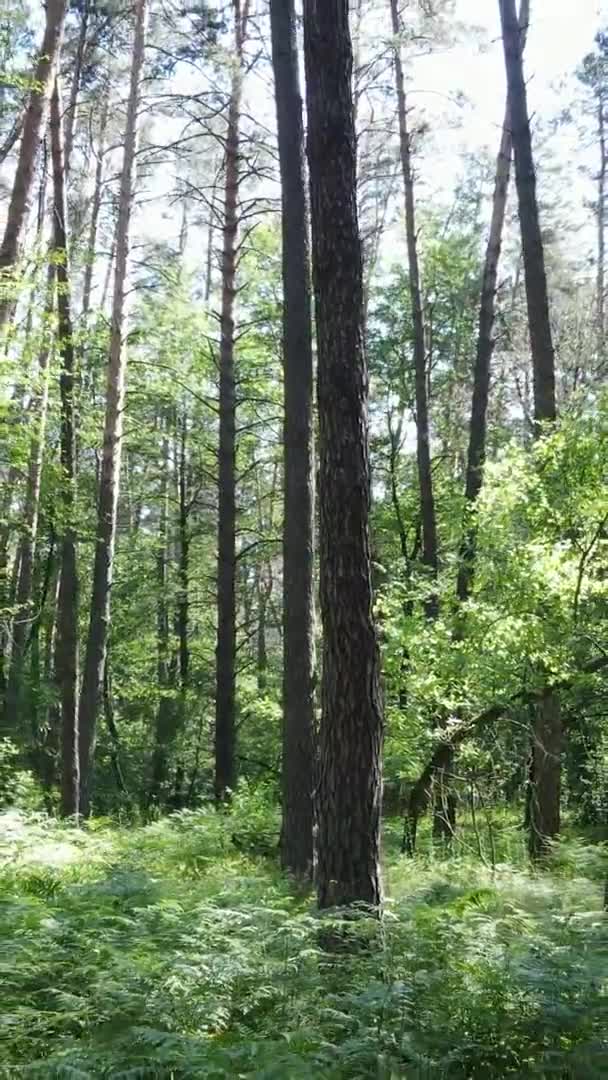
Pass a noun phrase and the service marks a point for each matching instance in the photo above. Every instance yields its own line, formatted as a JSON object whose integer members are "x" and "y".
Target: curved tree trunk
{"x": 350, "y": 777}
{"x": 99, "y": 622}
{"x": 66, "y": 649}
{"x": 33, "y": 129}
{"x": 298, "y": 526}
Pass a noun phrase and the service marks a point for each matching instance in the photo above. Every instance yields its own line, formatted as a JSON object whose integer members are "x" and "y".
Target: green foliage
{"x": 17, "y": 786}
{"x": 165, "y": 952}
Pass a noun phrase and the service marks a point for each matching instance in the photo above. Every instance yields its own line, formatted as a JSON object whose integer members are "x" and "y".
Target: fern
{"x": 166, "y": 952}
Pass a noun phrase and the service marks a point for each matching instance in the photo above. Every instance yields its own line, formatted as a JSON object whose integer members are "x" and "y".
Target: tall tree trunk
{"x": 543, "y": 360}
{"x": 99, "y": 622}
{"x": 70, "y": 112}
{"x": 423, "y": 438}
{"x": 210, "y": 239}
{"x": 350, "y": 774}
{"x": 183, "y": 601}
{"x": 547, "y": 729}
{"x": 298, "y": 519}
{"x": 445, "y": 807}
{"x": 95, "y": 210}
{"x": 261, "y": 643}
{"x": 165, "y": 717}
{"x": 601, "y": 225}
{"x": 225, "y": 695}
{"x": 52, "y": 721}
{"x": 66, "y": 650}
{"x": 27, "y": 547}
{"x": 8, "y": 494}
{"x": 108, "y": 278}
{"x": 33, "y": 129}
{"x": 485, "y": 344}
{"x": 445, "y": 819}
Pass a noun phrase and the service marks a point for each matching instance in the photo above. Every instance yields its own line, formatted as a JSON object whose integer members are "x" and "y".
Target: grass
{"x": 163, "y": 951}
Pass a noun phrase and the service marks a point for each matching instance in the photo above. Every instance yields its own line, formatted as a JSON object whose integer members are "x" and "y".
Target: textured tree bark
{"x": 485, "y": 343}
{"x": 33, "y": 128}
{"x": 423, "y": 437}
{"x": 298, "y": 521}
{"x": 66, "y": 649}
{"x": 546, "y": 746}
{"x": 350, "y": 776}
{"x": 99, "y": 622}
{"x": 225, "y": 694}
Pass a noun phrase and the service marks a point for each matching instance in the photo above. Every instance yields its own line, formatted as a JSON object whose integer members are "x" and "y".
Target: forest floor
{"x": 169, "y": 951}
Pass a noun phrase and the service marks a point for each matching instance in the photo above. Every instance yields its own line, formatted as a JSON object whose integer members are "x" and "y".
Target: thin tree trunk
{"x": 183, "y": 600}
{"x": 601, "y": 227}
{"x": 52, "y": 721}
{"x": 165, "y": 715}
{"x": 108, "y": 708}
{"x": 66, "y": 650}
{"x": 445, "y": 820}
{"x": 33, "y": 129}
{"x": 210, "y": 236}
{"x": 298, "y": 519}
{"x": 261, "y": 644}
{"x": 5, "y": 597}
{"x": 485, "y": 344}
{"x": 108, "y": 278}
{"x": 12, "y": 137}
{"x": 545, "y": 775}
{"x": 225, "y": 697}
{"x": 95, "y": 210}
{"x": 70, "y": 112}
{"x": 27, "y": 546}
{"x": 547, "y": 735}
{"x": 99, "y": 622}
{"x": 423, "y": 438}
{"x": 350, "y": 775}
{"x": 443, "y": 827}
{"x": 543, "y": 359}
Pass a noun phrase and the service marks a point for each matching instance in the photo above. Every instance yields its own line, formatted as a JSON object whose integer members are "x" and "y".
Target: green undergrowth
{"x": 173, "y": 950}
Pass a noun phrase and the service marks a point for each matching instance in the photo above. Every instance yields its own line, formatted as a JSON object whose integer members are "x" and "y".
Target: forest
{"x": 303, "y": 539}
